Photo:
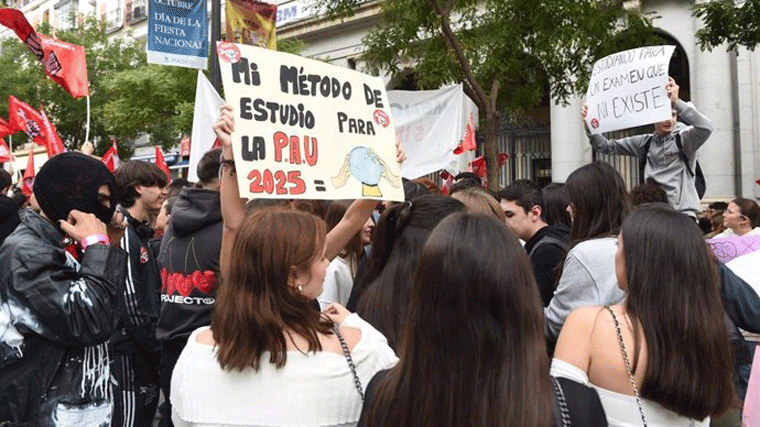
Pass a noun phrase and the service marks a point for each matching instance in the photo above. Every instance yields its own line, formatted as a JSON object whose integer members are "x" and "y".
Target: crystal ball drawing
{"x": 365, "y": 166}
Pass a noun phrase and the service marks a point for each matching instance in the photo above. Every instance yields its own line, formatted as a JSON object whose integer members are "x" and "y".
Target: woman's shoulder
{"x": 371, "y": 342}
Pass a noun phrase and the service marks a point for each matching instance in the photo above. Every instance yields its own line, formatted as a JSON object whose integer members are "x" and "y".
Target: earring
{"x": 300, "y": 289}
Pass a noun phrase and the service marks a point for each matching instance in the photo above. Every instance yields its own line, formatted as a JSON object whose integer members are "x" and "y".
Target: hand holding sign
{"x": 629, "y": 89}
{"x": 304, "y": 128}
{"x": 672, "y": 90}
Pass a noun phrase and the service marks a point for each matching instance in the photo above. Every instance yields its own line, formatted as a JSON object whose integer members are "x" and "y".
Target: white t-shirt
{"x": 339, "y": 279}
{"x": 312, "y": 389}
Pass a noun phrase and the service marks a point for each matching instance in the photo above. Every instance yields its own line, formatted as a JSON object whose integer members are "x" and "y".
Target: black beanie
{"x": 70, "y": 181}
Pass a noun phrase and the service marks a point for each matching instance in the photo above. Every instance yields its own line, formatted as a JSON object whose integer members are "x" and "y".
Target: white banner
{"x": 627, "y": 89}
{"x": 306, "y": 129}
{"x": 207, "y": 104}
{"x": 430, "y": 124}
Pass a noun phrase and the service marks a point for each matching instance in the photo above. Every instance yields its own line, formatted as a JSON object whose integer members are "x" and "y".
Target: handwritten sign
{"x": 305, "y": 129}
{"x": 178, "y": 33}
{"x": 627, "y": 89}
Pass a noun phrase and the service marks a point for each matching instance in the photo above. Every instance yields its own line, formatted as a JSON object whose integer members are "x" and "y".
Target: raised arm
{"x": 630, "y": 146}
{"x": 76, "y": 307}
{"x": 233, "y": 207}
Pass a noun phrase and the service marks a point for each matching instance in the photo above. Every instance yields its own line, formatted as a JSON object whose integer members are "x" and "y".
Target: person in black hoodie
{"x": 523, "y": 205}
{"x": 9, "y": 219}
{"x": 60, "y": 285}
{"x": 142, "y": 190}
{"x": 189, "y": 259}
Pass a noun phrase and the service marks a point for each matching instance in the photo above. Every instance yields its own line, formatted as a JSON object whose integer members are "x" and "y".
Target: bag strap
{"x": 561, "y": 413}
{"x": 643, "y": 158}
{"x": 350, "y": 360}
{"x": 549, "y": 240}
{"x": 627, "y": 363}
{"x": 682, "y": 153}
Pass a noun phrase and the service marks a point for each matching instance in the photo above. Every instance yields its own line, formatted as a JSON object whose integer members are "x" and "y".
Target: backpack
{"x": 699, "y": 178}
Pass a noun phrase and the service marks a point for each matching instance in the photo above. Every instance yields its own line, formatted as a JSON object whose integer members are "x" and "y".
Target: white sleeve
{"x": 563, "y": 369}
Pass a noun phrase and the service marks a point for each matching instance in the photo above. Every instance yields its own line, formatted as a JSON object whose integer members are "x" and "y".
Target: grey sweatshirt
{"x": 664, "y": 165}
{"x": 588, "y": 279}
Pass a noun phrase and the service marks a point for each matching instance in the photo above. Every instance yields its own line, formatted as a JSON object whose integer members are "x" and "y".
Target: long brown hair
{"x": 599, "y": 201}
{"x": 254, "y": 305}
{"x": 673, "y": 293}
{"x": 473, "y": 352}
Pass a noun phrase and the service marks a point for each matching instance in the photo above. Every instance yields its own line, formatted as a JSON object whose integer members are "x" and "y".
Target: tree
{"x": 504, "y": 52}
{"x": 128, "y": 97}
{"x": 736, "y": 22}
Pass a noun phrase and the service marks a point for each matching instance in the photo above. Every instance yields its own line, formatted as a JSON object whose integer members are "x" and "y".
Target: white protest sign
{"x": 627, "y": 89}
{"x": 305, "y": 129}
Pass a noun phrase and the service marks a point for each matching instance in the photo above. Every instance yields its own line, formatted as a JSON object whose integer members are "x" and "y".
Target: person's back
{"x": 473, "y": 351}
{"x": 668, "y": 337}
{"x": 268, "y": 357}
{"x": 598, "y": 204}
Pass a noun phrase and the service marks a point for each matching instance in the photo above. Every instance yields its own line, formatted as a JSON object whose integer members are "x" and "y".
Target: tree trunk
{"x": 492, "y": 147}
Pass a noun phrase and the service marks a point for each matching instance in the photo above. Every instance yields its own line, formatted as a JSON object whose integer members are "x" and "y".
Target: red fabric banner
{"x": 29, "y": 173}
{"x": 468, "y": 142}
{"x": 111, "y": 158}
{"x": 64, "y": 63}
{"x": 71, "y": 62}
{"x": 24, "y": 118}
{"x": 161, "y": 163}
{"x": 52, "y": 140}
{"x": 5, "y": 129}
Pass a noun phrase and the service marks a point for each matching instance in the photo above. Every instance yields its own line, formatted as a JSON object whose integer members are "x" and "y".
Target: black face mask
{"x": 71, "y": 181}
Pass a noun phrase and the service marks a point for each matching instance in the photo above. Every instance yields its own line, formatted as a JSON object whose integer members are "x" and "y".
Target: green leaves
{"x": 736, "y": 23}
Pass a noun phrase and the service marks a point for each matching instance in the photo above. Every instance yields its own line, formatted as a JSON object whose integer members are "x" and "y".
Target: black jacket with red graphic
{"x": 189, "y": 260}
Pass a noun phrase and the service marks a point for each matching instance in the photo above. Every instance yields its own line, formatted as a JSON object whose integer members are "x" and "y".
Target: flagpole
{"x": 87, "y": 125}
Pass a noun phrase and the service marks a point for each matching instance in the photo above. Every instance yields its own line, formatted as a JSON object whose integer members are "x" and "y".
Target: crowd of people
{"x": 577, "y": 304}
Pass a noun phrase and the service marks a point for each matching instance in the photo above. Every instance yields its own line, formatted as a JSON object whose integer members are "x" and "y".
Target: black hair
{"x": 524, "y": 193}
{"x": 396, "y": 246}
{"x": 556, "y": 201}
{"x": 599, "y": 201}
{"x": 648, "y": 192}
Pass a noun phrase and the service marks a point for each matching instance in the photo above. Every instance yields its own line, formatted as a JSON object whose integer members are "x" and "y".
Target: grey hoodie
{"x": 664, "y": 165}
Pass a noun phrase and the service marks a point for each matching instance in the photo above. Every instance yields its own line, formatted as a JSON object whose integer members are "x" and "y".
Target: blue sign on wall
{"x": 178, "y": 33}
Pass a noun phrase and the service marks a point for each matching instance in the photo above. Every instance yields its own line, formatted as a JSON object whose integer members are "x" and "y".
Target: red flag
{"x": 26, "y": 119}
{"x": 28, "y": 179}
{"x": 5, "y": 152}
{"x": 71, "y": 65}
{"x": 111, "y": 158}
{"x": 161, "y": 163}
{"x": 468, "y": 142}
{"x": 52, "y": 140}
{"x": 64, "y": 63}
{"x": 5, "y": 128}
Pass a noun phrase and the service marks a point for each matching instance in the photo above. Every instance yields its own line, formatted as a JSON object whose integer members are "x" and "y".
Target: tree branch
{"x": 454, "y": 43}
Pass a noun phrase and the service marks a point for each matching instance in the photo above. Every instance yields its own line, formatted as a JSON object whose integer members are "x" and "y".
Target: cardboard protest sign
{"x": 178, "y": 33}
{"x": 627, "y": 89}
{"x": 306, "y": 129}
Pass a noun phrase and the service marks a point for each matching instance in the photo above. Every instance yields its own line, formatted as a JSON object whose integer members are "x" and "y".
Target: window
{"x": 114, "y": 16}
{"x": 137, "y": 10}
{"x": 65, "y": 11}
